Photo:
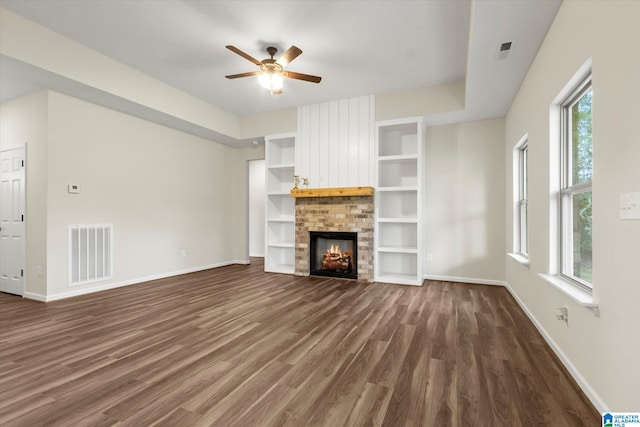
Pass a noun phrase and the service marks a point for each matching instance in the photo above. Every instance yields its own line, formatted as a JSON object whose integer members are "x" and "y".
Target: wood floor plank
{"x": 386, "y": 370}
{"x": 371, "y": 406}
{"x": 235, "y": 346}
{"x": 240, "y": 400}
{"x": 337, "y": 402}
{"x": 266, "y": 408}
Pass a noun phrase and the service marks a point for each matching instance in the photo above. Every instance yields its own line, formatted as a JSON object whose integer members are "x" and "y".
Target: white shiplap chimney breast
{"x": 335, "y": 144}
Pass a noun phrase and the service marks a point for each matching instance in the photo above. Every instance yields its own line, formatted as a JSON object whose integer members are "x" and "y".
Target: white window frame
{"x": 522, "y": 240}
{"x": 582, "y": 295}
{"x": 520, "y": 200}
{"x": 568, "y": 189}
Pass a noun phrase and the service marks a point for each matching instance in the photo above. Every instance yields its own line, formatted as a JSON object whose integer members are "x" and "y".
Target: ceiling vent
{"x": 503, "y": 50}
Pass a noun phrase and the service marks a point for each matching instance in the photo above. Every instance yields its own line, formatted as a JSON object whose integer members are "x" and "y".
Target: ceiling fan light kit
{"x": 271, "y": 72}
{"x": 271, "y": 79}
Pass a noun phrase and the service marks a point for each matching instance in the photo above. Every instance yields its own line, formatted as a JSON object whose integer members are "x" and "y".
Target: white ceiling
{"x": 358, "y": 47}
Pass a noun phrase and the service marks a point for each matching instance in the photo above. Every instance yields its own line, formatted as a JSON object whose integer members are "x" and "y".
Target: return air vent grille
{"x": 504, "y": 49}
{"x": 90, "y": 253}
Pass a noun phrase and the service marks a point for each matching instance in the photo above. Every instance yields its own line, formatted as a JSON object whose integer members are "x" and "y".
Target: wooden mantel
{"x": 332, "y": 192}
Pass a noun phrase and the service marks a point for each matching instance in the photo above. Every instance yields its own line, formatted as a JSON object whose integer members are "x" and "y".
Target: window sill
{"x": 520, "y": 258}
{"x": 580, "y": 296}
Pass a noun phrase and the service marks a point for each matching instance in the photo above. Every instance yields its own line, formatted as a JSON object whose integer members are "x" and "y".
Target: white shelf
{"x": 279, "y": 180}
{"x": 397, "y": 237}
{"x": 398, "y": 137}
{"x": 398, "y": 264}
{"x": 398, "y": 204}
{"x": 398, "y": 220}
{"x": 397, "y": 250}
{"x": 286, "y": 193}
{"x": 281, "y": 244}
{"x": 280, "y": 232}
{"x": 398, "y": 173}
{"x": 290, "y": 219}
{"x": 279, "y": 268}
{"x": 282, "y": 166}
{"x": 398, "y": 189}
{"x": 397, "y": 157}
{"x": 279, "y": 259}
{"x": 279, "y": 205}
{"x": 280, "y": 149}
{"x": 399, "y": 279}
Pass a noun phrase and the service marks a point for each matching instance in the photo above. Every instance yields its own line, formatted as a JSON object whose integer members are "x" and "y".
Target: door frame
{"x": 24, "y": 211}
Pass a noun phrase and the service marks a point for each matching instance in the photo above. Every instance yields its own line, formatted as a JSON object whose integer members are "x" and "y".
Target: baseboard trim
{"x": 108, "y": 286}
{"x": 465, "y": 280}
{"x": 34, "y": 296}
{"x": 586, "y": 388}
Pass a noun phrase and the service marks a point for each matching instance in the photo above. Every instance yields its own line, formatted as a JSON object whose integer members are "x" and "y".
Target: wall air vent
{"x": 90, "y": 253}
{"x": 503, "y": 49}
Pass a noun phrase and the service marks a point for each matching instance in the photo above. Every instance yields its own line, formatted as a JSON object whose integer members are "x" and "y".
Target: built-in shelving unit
{"x": 398, "y": 194}
{"x": 280, "y": 206}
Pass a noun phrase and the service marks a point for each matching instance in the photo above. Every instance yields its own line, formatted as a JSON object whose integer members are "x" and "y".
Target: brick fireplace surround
{"x": 335, "y": 213}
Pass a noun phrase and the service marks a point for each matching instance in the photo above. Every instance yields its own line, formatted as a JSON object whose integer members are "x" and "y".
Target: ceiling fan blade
{"x": 251, "y": 73}
{"x": 292, "y": 53}
{"x": 305, "y": 77}
{"x": 244, "y": 55}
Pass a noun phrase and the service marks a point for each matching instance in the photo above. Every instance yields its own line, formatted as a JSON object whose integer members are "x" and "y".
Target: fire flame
{"x": 334, "y": 250}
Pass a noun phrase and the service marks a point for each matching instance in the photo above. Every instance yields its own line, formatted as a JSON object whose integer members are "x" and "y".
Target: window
{"x": 575, "y": 187}
{"x": 522, "y": 209}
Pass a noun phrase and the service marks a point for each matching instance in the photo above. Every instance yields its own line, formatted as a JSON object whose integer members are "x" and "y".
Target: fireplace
{"x": 330, "y": 214}
{"x": 333, "y": 254}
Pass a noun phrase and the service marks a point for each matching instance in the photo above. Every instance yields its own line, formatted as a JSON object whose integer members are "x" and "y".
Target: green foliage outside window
{"x": 582, "y": 172}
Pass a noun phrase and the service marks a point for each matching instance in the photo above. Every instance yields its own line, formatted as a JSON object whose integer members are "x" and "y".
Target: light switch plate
{"x": 630, "y": 205}
{"x": 74, "y": 188}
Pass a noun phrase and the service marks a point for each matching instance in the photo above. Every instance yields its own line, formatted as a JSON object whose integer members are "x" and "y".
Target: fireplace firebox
{"x": 333, "y": 254}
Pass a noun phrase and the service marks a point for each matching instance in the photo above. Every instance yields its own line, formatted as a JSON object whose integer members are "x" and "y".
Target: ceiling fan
{"x": 271, "y": 71}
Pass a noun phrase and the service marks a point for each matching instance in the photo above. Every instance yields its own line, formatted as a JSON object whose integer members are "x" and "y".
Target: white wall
{"x": 256, "y": 207}
{"x": 422, "y": 101}
{"x": 602, "y": 351}
{"x": 163, "y": 190}
{"x": 24, "y": 121}
{"x": 464, "y": 201}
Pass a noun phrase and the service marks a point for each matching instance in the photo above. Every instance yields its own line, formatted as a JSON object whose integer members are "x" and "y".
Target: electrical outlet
{"x": 183, "y": 252}
{"x": 429, "y": 257}
{"x": 562, "y": 313}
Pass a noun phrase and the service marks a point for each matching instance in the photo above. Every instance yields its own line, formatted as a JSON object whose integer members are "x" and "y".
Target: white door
{"x": 12, "y": 178}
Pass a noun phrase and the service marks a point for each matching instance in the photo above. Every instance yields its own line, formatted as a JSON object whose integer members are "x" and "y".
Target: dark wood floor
{"x": 237, "y": 347}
